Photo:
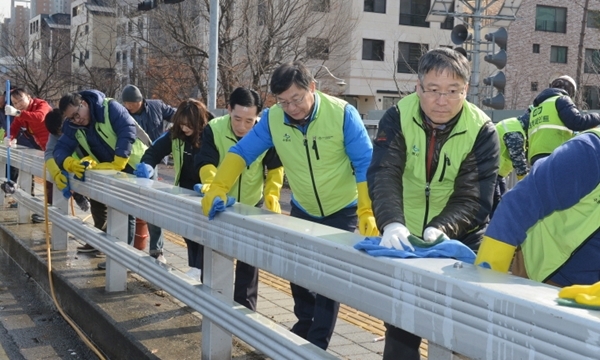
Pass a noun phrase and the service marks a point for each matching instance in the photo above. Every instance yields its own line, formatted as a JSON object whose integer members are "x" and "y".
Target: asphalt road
{"x": 30, "y": 325}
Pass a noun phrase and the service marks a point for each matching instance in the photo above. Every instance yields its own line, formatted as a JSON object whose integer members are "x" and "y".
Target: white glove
{"x": 431, "y": 234}
{"x": 9, "y": 143}
{"x": 395, "y": 235}
{"x": 11, "y": 111}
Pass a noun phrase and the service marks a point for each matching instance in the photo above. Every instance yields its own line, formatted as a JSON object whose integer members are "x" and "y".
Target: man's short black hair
{"x": 54, "y": 121}
{"x": 69, "y": 99}
{"x": 288, "y": 74}
{"x": 245, "y": 97}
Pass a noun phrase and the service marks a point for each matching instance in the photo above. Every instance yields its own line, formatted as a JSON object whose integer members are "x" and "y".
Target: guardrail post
{"x": 218, "y": 276}
{"x": 117, "y": 228}
{"x": 25, "y": 182}
{"x": 59, "y": 236}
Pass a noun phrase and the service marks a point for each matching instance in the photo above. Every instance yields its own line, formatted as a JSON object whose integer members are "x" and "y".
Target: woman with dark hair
{"x": 183, "y": 141}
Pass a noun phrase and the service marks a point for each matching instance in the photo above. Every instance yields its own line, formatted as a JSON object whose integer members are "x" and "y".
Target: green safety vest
{"x": 552, "y": 241}
{"x": 419, "y": 208}
{"x": 109, "y": 136}
{"x": 504, "y": 127}
{"x": 177, "y": 149}
{"x": 546, "y": 130}
{"x": 248, "y": 189}
{"x": 316, "y": 164}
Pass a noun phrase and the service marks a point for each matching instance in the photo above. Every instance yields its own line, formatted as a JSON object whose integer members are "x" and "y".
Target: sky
{"x": 4, "y": 8}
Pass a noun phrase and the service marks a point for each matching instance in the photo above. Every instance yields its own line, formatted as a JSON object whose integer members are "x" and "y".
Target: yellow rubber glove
{"x": 229, "y": 171}
{"x": 366, "y": 221}
{"x": 207, "y": 174}
{"x": 272, "y": 191}
{"x": 73, "y": 165}
{"x": 572, "y": 292}
{"x": 118, "y": 164}
{"x": 497, "y": 254}
{"x": 520, "y": 177}
{"x": 91, "y": 161}
{"x": 59, "y": 178}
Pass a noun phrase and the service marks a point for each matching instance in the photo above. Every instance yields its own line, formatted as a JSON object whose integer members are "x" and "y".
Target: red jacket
{"x": 32, "y": 120}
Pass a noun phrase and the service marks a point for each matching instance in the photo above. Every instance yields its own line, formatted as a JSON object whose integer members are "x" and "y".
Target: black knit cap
{"x": 131, "y": 94}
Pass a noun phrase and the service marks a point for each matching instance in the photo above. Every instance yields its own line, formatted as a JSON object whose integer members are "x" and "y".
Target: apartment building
{"x": 93, "y": 36}
{"x": 49, "y": 41}
{"x": 543, "y": 44}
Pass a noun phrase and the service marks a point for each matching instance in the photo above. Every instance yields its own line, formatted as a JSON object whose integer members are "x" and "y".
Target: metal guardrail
{"x": 472, "y": 311}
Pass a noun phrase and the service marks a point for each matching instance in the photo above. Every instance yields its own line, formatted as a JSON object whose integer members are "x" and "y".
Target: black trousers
{"x": 317, "y": 314}
{"x": 400, "y": 344}
{"x": 100, "y": 215}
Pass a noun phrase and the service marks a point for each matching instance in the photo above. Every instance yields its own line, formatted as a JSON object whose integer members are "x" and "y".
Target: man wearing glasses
{"x": 435, "y": 161}
{"x": 107, "y": 134}
{"x": 325, "y": 151}
{"x": 28, "y": 122}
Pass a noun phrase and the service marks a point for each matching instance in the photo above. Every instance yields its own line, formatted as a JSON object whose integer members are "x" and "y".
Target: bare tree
{"x": 255, "y": 36}
{"x": 42, "y": 65}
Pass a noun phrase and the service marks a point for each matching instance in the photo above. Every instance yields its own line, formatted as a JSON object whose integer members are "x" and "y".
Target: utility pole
{"x": 580, "y": 55}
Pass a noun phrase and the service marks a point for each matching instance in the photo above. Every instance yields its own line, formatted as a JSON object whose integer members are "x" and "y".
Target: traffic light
{"x": 498, "y": 59}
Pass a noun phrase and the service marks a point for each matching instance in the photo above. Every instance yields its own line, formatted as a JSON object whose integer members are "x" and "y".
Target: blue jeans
{"x": 156, "y": 239}
{"x": 317, "y": 314}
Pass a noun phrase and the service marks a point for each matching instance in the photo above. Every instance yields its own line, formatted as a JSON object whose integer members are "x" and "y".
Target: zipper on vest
{"x": 315, "y": 148}
{"x": 446, "y": 163}
{"x": 312, "y": 176}
{"x": 427, "y": 192}
{"x": 239, "y": 197}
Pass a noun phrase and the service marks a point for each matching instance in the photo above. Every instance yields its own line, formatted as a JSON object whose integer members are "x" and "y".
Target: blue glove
{"x": 67, "y": 190}
{"x": 219, "y": 206}
{"x": 143, "y": 170}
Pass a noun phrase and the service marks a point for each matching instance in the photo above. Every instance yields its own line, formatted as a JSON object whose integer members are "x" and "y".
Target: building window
{"x": 129, "y": 27}
{"x": 552, "y": 19}
{"x": 317, "y": 48}
{"x": 558, "y": 54}
{"x": 319, "y": 5}
{"x": 118, "y": 56}
{"x": 373, "y": 49}
{"x": 534, "y": 86}
{"x": 87, "y": 54}
{"x": 409, "y": 55}
{"x": 124, "y": 56}
{"x": 75, "y": 10}
{"x": 375, "y": 6}
{"x": 414, "y": 12}
{"x": 140, "y": 25}
{"x": 593, "y": 19}
{"x": 536, "y": 48}
{"x": 592, "y": 61}
{"x": 389, "y": 101}
{"x": 87, "y": 29}
{"x": 591, "y": 96}
{"x": 74, "y": 57}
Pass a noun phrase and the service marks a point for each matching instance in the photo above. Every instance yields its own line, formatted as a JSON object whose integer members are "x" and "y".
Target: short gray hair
{"x": 441, "y": 59}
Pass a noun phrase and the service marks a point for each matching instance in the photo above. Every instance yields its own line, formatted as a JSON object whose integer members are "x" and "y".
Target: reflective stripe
{"x": 554, "y": 127}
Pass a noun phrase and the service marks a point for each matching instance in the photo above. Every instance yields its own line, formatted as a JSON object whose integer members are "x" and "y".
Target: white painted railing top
{"x": 472, "y": 311}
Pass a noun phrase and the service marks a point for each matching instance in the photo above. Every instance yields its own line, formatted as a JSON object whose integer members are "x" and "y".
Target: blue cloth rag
{"x": 67, "y": 190}
{"x": 198, "y": 189}
{"x": 219, "y": 206}
{"x": 446, "y": 249}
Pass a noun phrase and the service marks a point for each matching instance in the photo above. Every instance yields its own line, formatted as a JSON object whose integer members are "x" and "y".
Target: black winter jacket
{"x": 466, "y": 214}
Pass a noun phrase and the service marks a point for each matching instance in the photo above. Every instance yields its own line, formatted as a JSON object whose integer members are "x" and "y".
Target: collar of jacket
{"x": 446, "y": 128}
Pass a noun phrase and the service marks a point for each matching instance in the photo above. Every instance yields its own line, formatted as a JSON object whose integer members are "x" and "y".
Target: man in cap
{"x": 555, "y": 117}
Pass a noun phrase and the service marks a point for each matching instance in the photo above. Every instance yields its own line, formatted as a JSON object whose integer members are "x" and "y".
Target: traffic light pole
{"x": 474, "y": 86}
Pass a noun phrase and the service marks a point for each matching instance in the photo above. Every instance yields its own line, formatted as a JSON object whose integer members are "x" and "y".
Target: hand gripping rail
{"x": 472, "y": 311}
